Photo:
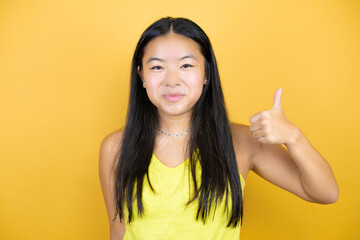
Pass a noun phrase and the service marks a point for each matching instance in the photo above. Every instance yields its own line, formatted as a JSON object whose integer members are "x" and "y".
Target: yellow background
{"x": 64, "y": 83}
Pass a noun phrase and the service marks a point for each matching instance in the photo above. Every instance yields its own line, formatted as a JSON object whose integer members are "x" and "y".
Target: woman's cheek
{"x": 195, "y": 82}
{"x": 152, "y": 88}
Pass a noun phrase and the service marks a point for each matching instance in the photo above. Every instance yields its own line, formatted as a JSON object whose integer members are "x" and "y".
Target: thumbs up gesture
{"x": 272, "y": 126}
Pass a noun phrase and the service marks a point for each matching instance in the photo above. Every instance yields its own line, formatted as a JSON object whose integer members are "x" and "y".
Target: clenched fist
{"x": 272, "y": 126}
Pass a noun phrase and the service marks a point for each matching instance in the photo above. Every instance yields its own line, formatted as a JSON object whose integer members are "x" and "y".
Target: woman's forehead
{"x": 172, "y": 47}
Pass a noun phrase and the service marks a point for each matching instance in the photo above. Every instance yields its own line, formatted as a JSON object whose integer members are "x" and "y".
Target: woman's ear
{"x": 139, "y": 72}
{"x": 205, "y": 80}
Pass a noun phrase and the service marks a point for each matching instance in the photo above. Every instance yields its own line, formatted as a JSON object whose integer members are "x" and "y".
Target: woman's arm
{"x": 108, "y": 152}
{"x": 300, "y": 169}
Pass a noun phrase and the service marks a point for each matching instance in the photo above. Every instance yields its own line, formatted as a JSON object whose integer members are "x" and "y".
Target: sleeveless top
{"x": 165, "y": 214}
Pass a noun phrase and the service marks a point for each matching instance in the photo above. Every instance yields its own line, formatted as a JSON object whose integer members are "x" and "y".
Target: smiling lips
{"x": 173, "y": 96}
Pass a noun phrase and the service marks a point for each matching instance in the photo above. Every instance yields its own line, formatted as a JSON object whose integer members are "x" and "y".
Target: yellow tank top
{"x": 165, "y": 215}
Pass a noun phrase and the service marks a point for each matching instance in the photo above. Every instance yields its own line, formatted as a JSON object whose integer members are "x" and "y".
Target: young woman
{"x": 177, "y": 169}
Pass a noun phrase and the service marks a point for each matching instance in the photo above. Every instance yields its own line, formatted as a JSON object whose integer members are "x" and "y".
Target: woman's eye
{"x": 187, "y": 65}
{"x": 156, "y": 68}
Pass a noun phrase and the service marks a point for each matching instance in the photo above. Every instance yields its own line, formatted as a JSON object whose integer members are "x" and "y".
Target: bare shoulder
{"x": 244, "y": 145}
{"x": 112, "y": 140}
{"x": 109, "y": 147}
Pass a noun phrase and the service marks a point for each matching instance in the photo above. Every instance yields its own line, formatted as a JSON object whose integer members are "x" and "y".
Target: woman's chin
{"x": 174, "y": 111}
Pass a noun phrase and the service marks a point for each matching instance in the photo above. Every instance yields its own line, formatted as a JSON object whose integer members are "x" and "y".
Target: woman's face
{"x": 173, "y": 73}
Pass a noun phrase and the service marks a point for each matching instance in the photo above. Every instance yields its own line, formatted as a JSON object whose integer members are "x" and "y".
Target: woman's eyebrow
{"x": 161, "y": 60}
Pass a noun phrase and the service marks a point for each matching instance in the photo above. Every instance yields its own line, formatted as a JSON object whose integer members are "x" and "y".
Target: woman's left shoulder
{"x": 238, "y": 129}
{"x": 244, "y": 146}
{"x": 241, "y": 134}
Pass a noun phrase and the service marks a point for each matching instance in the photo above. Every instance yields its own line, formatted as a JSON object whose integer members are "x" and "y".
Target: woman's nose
{"x": 172, "y": 78}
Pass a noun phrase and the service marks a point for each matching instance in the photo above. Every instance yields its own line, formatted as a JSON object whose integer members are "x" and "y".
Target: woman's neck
{"x": 174, "y": 124}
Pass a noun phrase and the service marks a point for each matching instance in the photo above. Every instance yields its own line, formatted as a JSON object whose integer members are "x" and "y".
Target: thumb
{"x": 277, "y": 98}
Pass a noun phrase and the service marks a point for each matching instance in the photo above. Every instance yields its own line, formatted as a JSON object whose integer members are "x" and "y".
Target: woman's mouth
{"x": 173, "y": 96}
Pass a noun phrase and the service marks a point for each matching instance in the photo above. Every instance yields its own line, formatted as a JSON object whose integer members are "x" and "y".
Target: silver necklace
{"x": 174, "y": 134}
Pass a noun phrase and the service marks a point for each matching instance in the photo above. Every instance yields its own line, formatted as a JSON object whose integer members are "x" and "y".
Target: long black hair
{"x": 210, "y": 139}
